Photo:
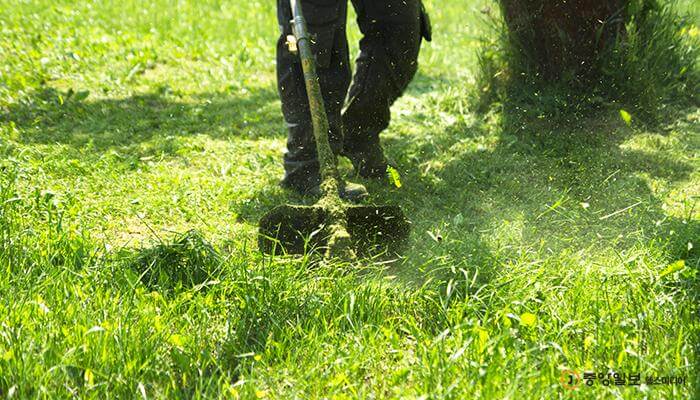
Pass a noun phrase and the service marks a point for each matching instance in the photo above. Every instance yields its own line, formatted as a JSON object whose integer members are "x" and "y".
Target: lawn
{"x": 141, "y": 141}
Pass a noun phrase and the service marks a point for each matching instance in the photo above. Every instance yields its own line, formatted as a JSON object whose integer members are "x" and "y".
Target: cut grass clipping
{"x": 185, "y": 262}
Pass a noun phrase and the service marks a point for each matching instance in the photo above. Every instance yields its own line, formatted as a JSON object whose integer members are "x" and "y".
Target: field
{"x": 141, "y": 141}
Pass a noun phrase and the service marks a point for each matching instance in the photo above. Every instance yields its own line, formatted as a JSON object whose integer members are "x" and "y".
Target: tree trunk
{"x": 563, "y": 38}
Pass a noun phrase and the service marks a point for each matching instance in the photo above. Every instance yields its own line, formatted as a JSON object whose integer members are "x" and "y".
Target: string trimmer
{"x": 339, "y": 229}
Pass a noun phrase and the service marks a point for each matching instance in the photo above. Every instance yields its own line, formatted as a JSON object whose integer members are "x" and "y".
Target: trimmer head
{"x": 292, "y": 229}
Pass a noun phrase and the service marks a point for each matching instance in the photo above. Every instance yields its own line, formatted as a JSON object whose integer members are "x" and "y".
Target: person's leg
{"x": 327, "y": 22}
{"x": 387, "y": 62}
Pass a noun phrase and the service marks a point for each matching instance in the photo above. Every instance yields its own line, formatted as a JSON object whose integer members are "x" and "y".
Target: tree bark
{"x": 563, "y": 38}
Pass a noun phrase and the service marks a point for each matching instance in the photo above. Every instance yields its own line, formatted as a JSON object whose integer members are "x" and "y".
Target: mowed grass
{"x": 141, "y": 141}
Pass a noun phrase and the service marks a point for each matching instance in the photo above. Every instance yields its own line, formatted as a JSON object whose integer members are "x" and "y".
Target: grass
{"x": 536, "y": 247}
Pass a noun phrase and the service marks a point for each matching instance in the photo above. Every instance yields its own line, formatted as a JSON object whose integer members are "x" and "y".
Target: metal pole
{"x": 319, "y": 118}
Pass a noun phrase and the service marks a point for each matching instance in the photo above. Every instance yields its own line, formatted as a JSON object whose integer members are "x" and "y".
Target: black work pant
{"x": 387, "y": 62}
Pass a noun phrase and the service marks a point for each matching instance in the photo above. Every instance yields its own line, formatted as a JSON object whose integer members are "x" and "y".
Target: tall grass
{"x": 205, "y": 325}
{"x": 33, "y": 230}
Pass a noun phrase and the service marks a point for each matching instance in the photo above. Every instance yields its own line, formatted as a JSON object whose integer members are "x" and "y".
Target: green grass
{"x": 141, "y": 141}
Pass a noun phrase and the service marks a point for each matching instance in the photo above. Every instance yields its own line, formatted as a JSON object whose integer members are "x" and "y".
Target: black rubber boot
{"x": 369, "y": 161}
{"x": 352, "y": 192}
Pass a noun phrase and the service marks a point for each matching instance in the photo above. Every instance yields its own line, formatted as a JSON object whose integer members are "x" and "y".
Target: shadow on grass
{"x": 51, "y": 117}
{"x": 473, "y": 187}
{"x": 487, "y": 189}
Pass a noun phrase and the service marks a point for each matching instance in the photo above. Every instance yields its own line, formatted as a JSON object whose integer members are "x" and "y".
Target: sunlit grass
{"x": 140, "y": 142}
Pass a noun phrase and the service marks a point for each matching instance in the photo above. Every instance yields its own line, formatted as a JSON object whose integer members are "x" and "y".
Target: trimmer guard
{"x": 289, "y": 229}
